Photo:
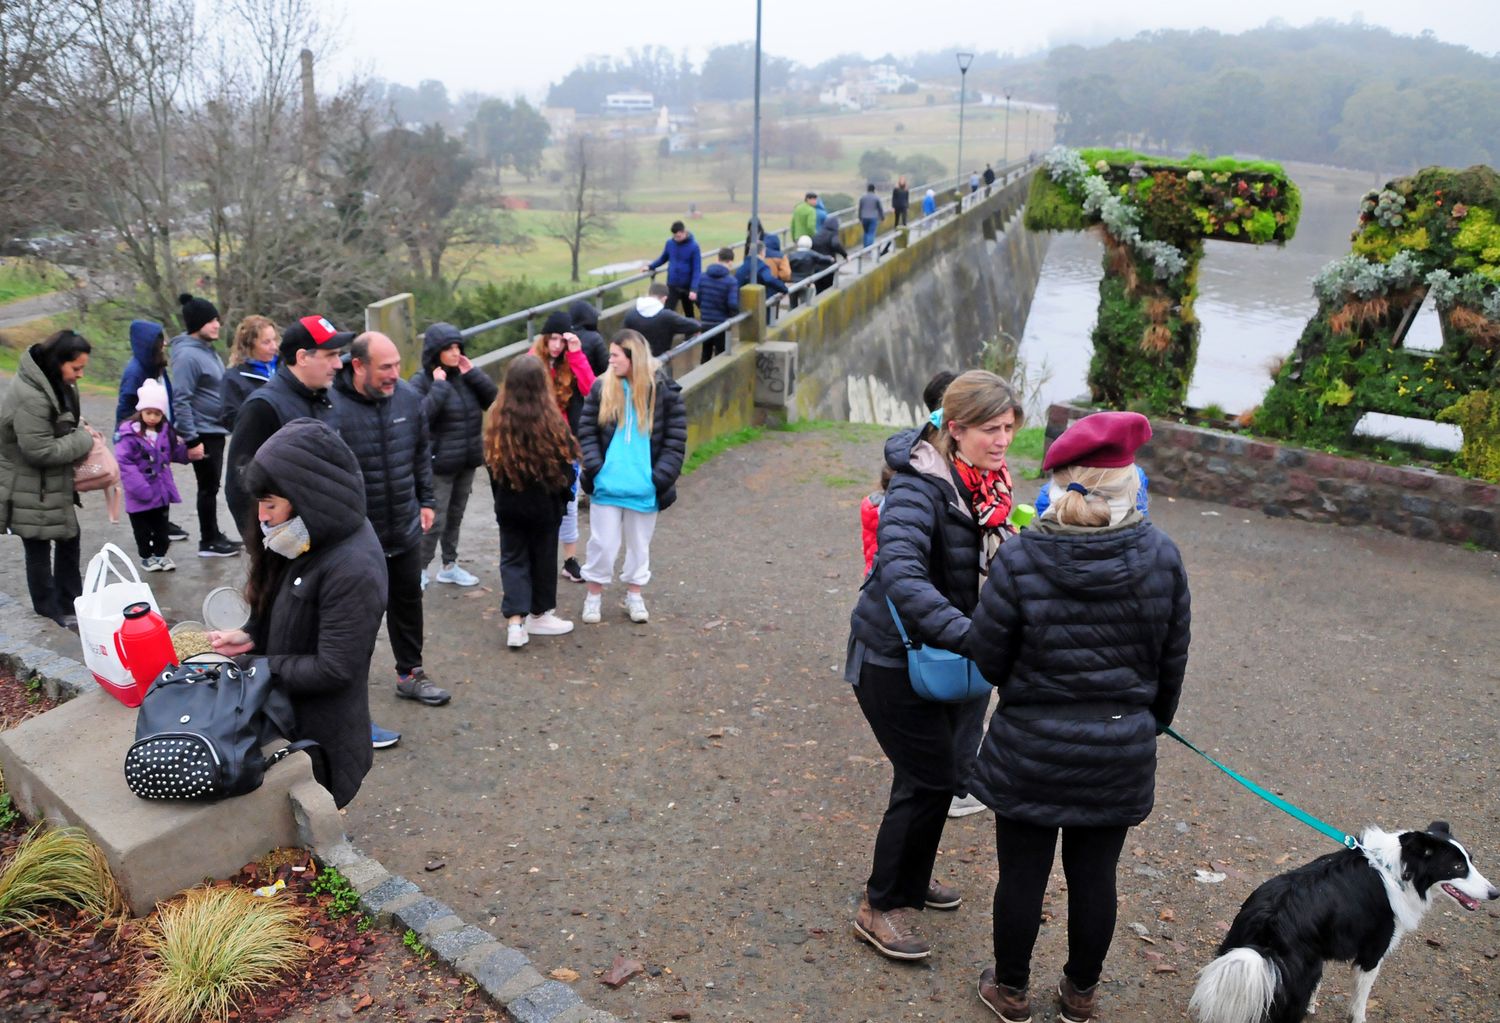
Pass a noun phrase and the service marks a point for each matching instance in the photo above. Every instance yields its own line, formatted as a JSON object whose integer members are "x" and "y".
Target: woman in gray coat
{"x": 41, "y": 438}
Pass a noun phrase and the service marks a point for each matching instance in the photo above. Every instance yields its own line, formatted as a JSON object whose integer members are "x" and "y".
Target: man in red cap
{"x": 310, "y": 350}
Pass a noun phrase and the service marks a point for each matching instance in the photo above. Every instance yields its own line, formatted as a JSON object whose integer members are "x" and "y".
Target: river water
{"x": 1253, "y": 301}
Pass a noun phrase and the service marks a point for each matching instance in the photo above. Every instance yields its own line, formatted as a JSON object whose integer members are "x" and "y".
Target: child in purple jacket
{"x": 146, "y": 450}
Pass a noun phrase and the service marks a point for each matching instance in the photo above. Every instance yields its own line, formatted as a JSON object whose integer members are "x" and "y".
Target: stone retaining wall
{"x": 1280, "y": 480}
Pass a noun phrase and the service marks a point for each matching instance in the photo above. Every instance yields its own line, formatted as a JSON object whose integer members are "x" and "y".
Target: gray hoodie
{"x": 197, "y": 404}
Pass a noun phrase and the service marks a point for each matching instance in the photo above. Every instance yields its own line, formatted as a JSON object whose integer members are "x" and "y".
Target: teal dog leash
{"x": 1346, "y": 840}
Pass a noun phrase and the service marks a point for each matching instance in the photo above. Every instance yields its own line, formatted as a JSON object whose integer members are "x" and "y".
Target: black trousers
{"x": 899, "y": 216}
{"x": 528, "y": 568}
{"x": 207, "y": 472}
{"x": 1090, "y": 858}
{"x": 403, "y": 607}
{"x": 150, "y": 528}
{"x": 713, "y": 346}
{"x": 966, "y": 743}
{"x": 676, "y": 295}
{"x": 53, "y": 575}
{"x": 919, "y": 738}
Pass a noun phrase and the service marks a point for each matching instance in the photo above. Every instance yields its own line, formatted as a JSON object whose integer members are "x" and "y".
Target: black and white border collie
{"x": 1354, "y": 904}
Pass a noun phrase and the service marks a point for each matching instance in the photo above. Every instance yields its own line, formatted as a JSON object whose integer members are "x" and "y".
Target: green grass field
{"x": 27, "y": 278}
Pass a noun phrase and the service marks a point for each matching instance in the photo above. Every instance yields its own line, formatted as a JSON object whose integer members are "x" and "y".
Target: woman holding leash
{"x": 942, "y": 519}
{"x": 1083, "y": 627}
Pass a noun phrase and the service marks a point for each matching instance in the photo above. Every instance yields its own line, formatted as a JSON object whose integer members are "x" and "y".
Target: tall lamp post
{"x": 1005, "y": 156}
{"x": 754, "y": 233}
{"x": 964, "y": 60}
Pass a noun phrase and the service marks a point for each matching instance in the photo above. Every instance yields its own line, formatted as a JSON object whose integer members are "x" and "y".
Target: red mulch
{"x": 81, "y": 971}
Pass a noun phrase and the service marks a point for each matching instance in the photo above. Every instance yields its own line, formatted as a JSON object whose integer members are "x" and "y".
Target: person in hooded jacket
{"x": 942, "y": 519}
{"x": 829, "y": 240}
{"x": 455, "y": 396}
{"x": 42, "y": 436}
{"x": 1083, "y": 626}
{"x": 718, "y": 299}
{"x": 929, "y": 203}
{"x": 654, "y": 320}
{"x": 145, "y": 451}
{"x": 317, "y": 591}
{"x": 764, "y": 276}
{"x": 571, "y": 374}
{"x": 148, "y": 360}
{"x": 805, "y": 263}
{"x": 633, "y": 437}
{"x": 252, "y": 363}
{"x": 585, "y": 320}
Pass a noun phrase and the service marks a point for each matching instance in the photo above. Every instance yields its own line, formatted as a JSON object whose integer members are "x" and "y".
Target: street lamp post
{"x": 754, "y": 232}
{"x": 1006, "y": 152}
{"x": 964, "y": 60}
{"x": 1026, "y": 142}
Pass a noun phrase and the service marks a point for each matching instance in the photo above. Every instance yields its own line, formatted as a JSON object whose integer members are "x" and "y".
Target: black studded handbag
{"x": 201, "y": 728}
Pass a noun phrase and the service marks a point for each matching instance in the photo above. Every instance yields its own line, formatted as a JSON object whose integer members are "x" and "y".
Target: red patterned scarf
{"x": 989, "y": 492}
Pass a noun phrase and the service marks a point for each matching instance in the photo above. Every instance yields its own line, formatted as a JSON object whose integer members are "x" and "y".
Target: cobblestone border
{"x": 504, "y": 973}
{"x": 1284, "y": 480}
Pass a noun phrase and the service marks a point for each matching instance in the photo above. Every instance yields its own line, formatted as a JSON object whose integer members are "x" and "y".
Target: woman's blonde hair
{"x": 245, "y": 335}
{"x": 1120, "y": 485}
{"x": 973, "y": 399}
{"x": 642, "y": 383}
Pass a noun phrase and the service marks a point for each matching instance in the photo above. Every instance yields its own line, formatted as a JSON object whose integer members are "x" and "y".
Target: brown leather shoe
{"x": 1011, "y": 1004}
{"x": 1075, "y": 1004}
{"x": 893, "y": 933}
{"x": 940, "y": 896}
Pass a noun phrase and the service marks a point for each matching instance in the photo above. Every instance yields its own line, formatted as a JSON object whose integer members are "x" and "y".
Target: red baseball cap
{"x": 1104, "y": 440}
{"x": 314, "y": 333}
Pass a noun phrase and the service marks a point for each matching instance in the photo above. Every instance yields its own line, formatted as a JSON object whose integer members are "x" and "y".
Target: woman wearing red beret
{"x": 1083, "y": 627}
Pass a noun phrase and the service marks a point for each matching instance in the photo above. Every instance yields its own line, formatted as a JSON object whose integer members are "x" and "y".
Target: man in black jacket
{"x": 309, "y": 350}
{"x": 380, "y": 417}
{"x": 656, "y": 322}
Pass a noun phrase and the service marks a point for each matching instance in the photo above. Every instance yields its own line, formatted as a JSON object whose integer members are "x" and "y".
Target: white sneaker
{"x": 165, "y": 564}
{"x": 424, "y": 580}
{"x": 591, "y": 603}
{"x": 515, "y": 635}
{"x": 457, "y": 576}
{"x": 152, "y": 564}
{"x": 636, "y": 605}
{"x": 547, "y": 624}
{"x": 962, "y": 807}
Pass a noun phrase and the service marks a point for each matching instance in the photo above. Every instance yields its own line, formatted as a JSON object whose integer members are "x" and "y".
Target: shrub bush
{"x": 55, "y": 866}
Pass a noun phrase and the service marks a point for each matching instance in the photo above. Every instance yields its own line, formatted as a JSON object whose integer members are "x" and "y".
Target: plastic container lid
{"x": 225, "y": 608}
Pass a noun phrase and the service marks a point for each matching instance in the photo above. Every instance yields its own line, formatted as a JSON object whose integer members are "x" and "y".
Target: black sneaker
{"x": 571, "y": 571}
{"x": 217, "y": 549}
{"x": 176, "y": 532}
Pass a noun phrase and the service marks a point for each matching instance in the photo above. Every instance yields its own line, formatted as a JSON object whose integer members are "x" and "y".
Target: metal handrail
{"x": 696, "y": 341}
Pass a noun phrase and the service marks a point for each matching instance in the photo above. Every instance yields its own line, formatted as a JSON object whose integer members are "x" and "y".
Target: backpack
{"x": 200, "y": 729}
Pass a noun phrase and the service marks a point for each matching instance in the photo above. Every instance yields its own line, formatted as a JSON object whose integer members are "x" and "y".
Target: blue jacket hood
{"x": 144, "y": 334}
{"x": 717, "y": 270}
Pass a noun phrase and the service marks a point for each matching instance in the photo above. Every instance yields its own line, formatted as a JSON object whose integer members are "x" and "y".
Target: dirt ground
{"x": 700, "y": 793}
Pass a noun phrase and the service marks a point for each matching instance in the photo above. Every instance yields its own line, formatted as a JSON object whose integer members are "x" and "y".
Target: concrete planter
{"x": 1280, "y": 480}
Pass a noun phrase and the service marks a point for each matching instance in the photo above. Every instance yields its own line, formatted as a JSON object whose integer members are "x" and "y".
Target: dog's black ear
{"x": 1439, "y": 828}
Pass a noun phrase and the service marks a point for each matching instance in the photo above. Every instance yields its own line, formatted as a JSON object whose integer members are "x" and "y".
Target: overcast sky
{"x": 520, "y": 46}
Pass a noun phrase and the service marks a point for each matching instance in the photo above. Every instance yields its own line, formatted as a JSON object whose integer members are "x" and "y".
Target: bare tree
{"x": 732, "y": 168}
{"x": 619, "y": 161}
{"x": 583, "y": 217}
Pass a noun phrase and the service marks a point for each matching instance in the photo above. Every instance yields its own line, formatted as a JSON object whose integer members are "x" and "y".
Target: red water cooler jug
{"x": 145, "y": 647}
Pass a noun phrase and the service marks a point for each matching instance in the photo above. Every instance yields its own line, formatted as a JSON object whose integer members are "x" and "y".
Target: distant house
{"x": 629, "y": 103}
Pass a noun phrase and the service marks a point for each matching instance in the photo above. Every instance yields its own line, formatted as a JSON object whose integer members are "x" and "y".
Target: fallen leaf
{"x": 620, "y": 971}
{"x": 564, "y": 974}
{"x": 1164, "y": 968}
{"x": 316, "y": 942}
{"x": 364, "y": 1002}
{"x": 1166, "y": 915}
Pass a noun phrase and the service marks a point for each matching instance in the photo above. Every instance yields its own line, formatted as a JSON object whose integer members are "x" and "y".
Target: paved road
{"x": 700, "y": 793}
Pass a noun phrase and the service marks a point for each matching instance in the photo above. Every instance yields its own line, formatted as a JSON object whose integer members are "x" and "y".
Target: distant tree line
{"x": 1332, "y": 93}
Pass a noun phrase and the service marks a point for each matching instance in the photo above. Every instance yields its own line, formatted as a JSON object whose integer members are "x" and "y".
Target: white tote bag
{"x": 107, "y": 592}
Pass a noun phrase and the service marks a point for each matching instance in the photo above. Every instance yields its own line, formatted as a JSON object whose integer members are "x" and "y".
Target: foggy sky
{"x": 520, "y": 46}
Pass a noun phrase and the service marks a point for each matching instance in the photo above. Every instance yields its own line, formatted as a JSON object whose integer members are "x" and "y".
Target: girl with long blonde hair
{"x": 633, "y": 434}
{"x": 529, "y": 451}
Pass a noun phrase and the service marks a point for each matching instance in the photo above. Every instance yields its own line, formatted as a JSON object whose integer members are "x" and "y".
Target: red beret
{"x": 1104, "y": 440}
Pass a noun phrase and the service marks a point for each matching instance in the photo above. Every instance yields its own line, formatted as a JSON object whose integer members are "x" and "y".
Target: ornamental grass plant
{"x": 50, "y": 867}
{"x": 213, "y": 948}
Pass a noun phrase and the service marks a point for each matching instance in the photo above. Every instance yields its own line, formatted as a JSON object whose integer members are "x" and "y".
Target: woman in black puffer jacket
{"x": 317, "y": 592}
{"x": 1083, "y": 627}
{"x": 944, "y": 514}
{"x": 455, "y": 396}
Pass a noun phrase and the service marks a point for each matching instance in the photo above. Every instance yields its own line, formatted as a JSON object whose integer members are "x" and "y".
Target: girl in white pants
{"x": 633, "y": 435}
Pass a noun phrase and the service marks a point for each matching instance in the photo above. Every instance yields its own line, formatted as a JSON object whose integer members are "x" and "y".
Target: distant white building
{"x": 629, "y": 103}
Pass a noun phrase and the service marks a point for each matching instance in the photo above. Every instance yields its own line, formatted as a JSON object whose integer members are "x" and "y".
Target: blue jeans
{"x": 870, "y": 224}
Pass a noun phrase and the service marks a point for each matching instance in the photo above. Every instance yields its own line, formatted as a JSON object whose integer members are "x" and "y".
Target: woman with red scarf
{"x": 943, "y": 518}
{"x": 561, "y": 352}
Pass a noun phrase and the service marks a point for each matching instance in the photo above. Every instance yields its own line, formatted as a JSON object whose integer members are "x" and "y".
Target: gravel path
{"x": 700, "y": 793}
